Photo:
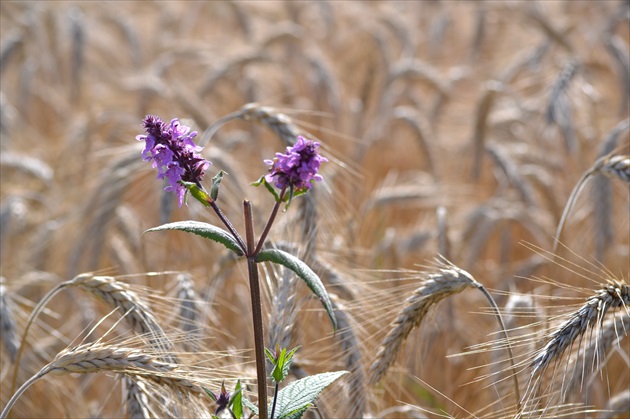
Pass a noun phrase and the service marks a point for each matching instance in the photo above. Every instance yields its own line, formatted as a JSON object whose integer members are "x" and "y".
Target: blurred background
{"x": 457, "y": 128}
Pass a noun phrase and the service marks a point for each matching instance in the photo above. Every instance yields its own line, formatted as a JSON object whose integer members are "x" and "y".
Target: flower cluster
{"x": 297, "y": 168}
{"x": 173, "y": 153}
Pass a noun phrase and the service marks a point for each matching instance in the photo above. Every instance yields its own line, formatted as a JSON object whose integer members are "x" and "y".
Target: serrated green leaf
{"x": 270, "y": 356}
{"x": 251, "y": 406}
{"x": 296, "y": 414}
{"x": 303, "y": 271}
{"x": 205, "y": 230}
{"x": 288, "y": 360}
{"x": 295, "y": 398}
{"x": 276, "y": 374}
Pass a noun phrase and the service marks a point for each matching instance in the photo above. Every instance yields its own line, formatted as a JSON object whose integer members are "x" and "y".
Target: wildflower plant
{"x": 171, "y": 150}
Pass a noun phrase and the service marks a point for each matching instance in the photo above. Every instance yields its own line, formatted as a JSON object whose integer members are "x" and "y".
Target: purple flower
{"x": 172, "y": 151}
{"x": 298, "y": 167}
{"x": 222, "y": 399}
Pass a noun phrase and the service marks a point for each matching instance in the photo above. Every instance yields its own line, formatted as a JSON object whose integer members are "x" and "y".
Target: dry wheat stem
{"x": 350, "y": 348}
{"x": 30, "y": 320}
{"x": 611, "y": 166}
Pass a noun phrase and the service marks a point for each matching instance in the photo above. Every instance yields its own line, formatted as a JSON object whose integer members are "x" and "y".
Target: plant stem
{"x": 229, "y": 226}
{"x": 275, "y": 399}
{"x": 259, "y": 343}
{"x": 21, "y": 390}
{"x": 507, "y": 342}
{"x": 31, "y": 318}
{"x": 270, "y": 221}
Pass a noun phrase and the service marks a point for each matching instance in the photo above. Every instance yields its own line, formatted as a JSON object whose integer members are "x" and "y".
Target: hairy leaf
{"x": 303, "y": 271}
{"x": 205, "y": 230}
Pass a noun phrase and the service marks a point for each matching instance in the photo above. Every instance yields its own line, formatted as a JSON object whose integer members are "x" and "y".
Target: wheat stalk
{"x": 609, "y": 166}
{"x": 350, "y": 348}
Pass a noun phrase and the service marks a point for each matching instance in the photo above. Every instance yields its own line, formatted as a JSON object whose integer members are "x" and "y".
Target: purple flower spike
{"x": 173, "y": 153}
{"x": 298, "y": 167}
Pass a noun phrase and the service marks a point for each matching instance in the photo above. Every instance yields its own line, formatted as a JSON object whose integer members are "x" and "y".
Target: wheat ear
{"x": 91, "y": 358}
{"x": 114, "y": 293}
{"x": 8, "y": 328}
{"x": 594, "y": 353}
{"x": 437, "y": 286}
{"x": 613, "y": 295}
{"x": 279, "y": 123}
{"x": 135, "y": 393}
{"x": 449, "y": 280}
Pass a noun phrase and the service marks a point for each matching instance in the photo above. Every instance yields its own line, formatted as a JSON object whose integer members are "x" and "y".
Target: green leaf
{"x": 288, "y": 360}
{"x": 270, "y": 355}
{"x": 197, "y": 193}
{"x": 303, "y": 271}
{"x": 270, "y": 188}
{"x": 276, "y": 374}
{"x": 236, "y": 402}
{"x": 205, "y": 230}
{"x": 296, "y": 414}
{"x": 295, "y": 398}
{"x": 251, "y": 406}
{"x": 216, "y": 182}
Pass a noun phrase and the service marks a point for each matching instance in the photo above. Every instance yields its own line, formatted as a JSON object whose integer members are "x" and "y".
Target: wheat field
{"x": 473, "y": 145}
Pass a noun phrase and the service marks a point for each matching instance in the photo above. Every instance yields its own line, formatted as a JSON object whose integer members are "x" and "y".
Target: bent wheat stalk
{"x": 611, "y": 166}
